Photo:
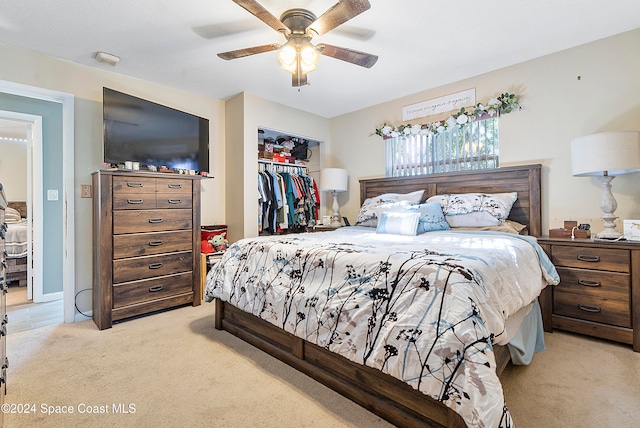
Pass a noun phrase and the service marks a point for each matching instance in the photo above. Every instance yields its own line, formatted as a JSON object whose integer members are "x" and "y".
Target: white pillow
{"x": 398, "y": 223}
{"x": 367, "y": 215}
{"x": 498, "y": 205}
{"x": 477, "y": 219}
{"x": 12, "y": 215}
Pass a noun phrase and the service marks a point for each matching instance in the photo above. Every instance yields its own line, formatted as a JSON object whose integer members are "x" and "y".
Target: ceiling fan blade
{"x": 256, "y": 9}
{"x": 362, "y": 59}
{"x": 239, "y": 53}
{"x": 338, "y": 14}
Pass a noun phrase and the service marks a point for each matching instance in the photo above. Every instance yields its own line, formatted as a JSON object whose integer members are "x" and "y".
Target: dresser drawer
{"x": 176, "y": 186}
{"x": 146, "y": 244}
{"x": 125, "y": 270}
{"x": 133, "y": 185}
{"x": 612, "y": 285}
{"x": 174, "y": 200}
{"x": 132, "y": 221}
{"x": 590, "y": 308}
{"x": 139, "y": 201}
{"x": 591, "y": 258}
{"x": 130, "y": 293}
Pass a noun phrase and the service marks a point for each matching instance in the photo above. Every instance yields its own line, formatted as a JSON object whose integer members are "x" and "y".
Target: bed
{"x": 401, "y": 325}
{"x": 16, "y": 243}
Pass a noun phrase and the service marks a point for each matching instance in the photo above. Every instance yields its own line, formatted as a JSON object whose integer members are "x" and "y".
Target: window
{"x": 473, "y": 145}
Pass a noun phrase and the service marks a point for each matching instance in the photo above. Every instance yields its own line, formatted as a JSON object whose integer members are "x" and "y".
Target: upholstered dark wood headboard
{"x": 525, "y": 180}
{"x": 19, "y": 206}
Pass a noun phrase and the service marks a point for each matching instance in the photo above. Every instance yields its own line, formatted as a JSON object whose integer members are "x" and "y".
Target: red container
{"x": 213, "y": 239}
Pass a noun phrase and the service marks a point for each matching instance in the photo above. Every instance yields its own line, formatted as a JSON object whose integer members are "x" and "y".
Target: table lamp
{"x": 604, "y": 156}
{"x": 334, "y": 180}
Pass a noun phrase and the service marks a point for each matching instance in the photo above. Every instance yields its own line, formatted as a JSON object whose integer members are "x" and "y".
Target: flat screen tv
{"x": 155, "y": 135}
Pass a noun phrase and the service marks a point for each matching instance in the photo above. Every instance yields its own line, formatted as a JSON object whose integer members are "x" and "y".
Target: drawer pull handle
{"x": 174, "y": 186}
{"x": 155, "y": 289}
{"x": 587, "y": 308}
{"x": 589, "y": 283}
{"x": 155, "y": 243}
{"x": 175, "y": 201}
{"x": 135, "y": 201}
{"x": 585, "y": 258}
{"x": 156, "y": 220}
{"x": 133, "y": 184}
{"x": 155, "y": 265}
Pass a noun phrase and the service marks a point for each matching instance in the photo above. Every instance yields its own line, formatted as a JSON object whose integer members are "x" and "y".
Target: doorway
{"x": 21, "y": 143}
{"x": 64, "y": 219}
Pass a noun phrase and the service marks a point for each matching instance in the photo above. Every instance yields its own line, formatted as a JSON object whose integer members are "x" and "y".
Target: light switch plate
{"x": 52, "y": 195}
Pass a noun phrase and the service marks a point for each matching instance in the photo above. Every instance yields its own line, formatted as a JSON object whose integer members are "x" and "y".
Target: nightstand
{"x": 599, "y": 290}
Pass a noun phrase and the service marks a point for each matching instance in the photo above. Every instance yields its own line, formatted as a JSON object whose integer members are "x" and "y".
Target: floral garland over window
{"x": 505, "y": 103}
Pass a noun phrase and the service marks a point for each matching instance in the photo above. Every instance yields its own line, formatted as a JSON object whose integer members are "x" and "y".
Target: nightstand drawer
{"x": 591, "y": 258}
{"x": 597, "y": 309}
{"x": 611, "y": 285}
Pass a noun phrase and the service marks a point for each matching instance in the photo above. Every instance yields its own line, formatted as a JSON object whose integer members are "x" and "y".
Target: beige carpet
{"x": 173, "y": 369}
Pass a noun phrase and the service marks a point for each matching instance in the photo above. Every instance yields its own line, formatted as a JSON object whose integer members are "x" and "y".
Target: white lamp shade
{"x": 334, "y": 180}
{"x": 607, "y": 153}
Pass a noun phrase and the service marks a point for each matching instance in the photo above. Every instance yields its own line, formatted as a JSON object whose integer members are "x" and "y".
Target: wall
{"x": 587, "y": 89}
{"x": 245, "y": 114}
{"x": 13, "y": 169}
{"x": 52, "y": 211}
{"x": 86, "y": 83}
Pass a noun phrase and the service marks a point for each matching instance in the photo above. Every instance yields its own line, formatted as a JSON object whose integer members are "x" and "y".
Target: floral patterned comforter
{"x": 423, "y": 309}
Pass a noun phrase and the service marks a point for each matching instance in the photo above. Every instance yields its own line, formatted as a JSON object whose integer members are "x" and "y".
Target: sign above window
{"x": 440, "y": 105}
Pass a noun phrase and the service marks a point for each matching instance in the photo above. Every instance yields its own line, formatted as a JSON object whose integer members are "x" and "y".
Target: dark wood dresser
{"x": 146, "y": 243}
{"x": 599, "y": 290}
{"x": 3, "y": 303}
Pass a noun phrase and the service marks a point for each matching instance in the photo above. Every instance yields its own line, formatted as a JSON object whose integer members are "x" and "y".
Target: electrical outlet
{"x": 52, "y": 195}
{"x": 85, "y": 191}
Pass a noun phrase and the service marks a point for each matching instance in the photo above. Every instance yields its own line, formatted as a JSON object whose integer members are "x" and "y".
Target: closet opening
{"x": 288, "y": 186}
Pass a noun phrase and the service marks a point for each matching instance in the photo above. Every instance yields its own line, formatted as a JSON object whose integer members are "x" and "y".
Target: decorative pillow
{"x": 367, "y": 215}
{"x": 400, "y": 206}
{"x": 497, "y": 204}
{"x": 11, "y": 215}
{"x": 431, "y": 217}
{"x": 477, "y": 219}
{"x": 398, "y": 223}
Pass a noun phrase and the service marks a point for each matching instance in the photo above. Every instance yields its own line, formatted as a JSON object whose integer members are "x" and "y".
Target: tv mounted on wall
{"x": 152, "y": 134}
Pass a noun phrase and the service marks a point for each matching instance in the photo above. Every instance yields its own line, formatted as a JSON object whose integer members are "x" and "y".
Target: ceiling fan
{"x": 298, "y": 55}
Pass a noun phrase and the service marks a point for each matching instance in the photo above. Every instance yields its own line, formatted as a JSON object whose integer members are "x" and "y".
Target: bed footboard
{"x": 378, "y": 392}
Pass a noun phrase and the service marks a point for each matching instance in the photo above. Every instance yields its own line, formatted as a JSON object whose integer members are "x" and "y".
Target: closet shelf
{"x": 268, "y": 162}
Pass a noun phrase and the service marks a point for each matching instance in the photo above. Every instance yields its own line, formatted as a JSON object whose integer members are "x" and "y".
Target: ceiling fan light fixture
{"x": 308, "y": 57}
{"x": 288, "y": 56}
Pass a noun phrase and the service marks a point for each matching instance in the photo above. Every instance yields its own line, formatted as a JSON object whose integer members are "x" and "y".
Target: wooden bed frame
{"x": 378, "y": 392}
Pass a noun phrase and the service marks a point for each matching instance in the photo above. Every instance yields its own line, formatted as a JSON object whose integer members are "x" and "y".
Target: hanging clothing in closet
{"x": 288, "y": 201}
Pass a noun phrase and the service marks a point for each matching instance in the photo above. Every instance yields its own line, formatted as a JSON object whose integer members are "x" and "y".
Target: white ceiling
{"x": 421, "y": 44}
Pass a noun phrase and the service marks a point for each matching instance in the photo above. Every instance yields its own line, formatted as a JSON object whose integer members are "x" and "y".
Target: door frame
{"x": 68, "y": 177}
{"x": 35, "y": 220}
